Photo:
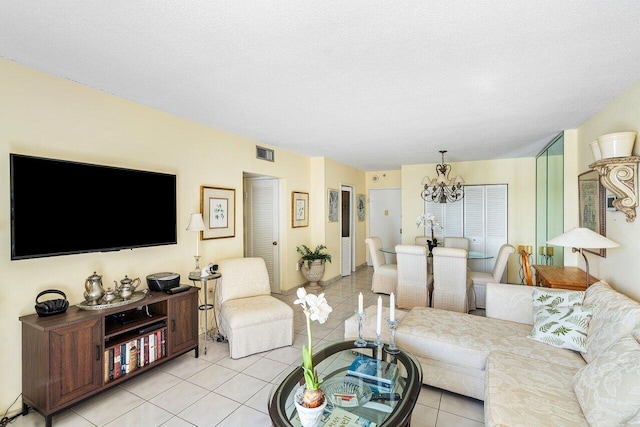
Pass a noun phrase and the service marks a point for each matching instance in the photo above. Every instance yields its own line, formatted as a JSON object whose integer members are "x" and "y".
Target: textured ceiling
{"x": 372, "y": 84}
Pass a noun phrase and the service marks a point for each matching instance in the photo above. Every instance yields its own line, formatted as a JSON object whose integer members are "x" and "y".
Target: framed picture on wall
{"x": 360, "y": 206}
{"x": 592, "y": 199}
{"x": 218, "y": 207}
{"x": 299, "y": 209}
{"x": 333, "y": 199}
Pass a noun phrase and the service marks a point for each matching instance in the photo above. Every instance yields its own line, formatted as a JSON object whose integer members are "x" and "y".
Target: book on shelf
{"x": 336, "y": 417}
{"x": 110, "y": 363}
{"x": 116, "y": 362}
{"x": 133, "y": 356}
{"x": 373, "y": 370}
{"x": 152, "y": 348}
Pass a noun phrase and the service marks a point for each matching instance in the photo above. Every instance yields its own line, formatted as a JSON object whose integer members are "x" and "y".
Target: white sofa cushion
{"x": 521, "y": 391}
{"x": 614, "y": 316}
{"x": 562, "y": 327}
{"x": 608, "y": 387}
{"x": 466, "y": 340}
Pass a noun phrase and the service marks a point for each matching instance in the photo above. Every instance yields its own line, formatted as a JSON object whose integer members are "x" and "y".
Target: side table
{"x": 554, "y": 276}
{"x": 207, "y": 306}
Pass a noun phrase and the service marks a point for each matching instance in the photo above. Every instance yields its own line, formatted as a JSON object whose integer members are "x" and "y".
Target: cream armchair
{"x": 480, "y": 279}
{"x": 250, "y": 318}
{"x": 452, "y": 289}
{"x": 414, "y": 282}
{"x": 385, "y": 276}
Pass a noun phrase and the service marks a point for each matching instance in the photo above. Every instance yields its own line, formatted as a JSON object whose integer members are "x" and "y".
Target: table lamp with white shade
{"x": 196, "y": 224}
{"x": 580, "y": 238}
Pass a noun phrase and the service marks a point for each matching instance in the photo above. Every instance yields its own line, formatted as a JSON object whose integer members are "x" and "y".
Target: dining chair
{"x": 251, "y": 319}
{"x": 414, "y": 282}
{"x": 452, "y": 288}
{"x": 456, "y": 242}
{"x": 480, "y": 278}
{"x": 385, "y": 276}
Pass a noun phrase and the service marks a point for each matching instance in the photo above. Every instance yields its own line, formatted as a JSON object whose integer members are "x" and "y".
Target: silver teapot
{"x": 93, "y": 289}
{"x": 127, "y": 287}
{"x": 109, "y": 295}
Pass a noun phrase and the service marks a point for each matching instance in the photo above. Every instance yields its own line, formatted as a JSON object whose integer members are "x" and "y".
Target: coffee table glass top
{"x": 332, "y": 362}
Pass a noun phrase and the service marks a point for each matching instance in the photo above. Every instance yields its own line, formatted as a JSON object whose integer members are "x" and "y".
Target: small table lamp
{"x": 196, "y": 224}
{"x": 579, "y": 238}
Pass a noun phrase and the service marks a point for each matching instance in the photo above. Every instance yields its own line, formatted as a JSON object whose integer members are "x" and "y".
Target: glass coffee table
{"x": 331, "y": 362}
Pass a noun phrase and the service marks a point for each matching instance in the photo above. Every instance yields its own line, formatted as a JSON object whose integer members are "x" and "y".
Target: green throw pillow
{"x": 556, "y": 297}
{"x": 563, "y": 327}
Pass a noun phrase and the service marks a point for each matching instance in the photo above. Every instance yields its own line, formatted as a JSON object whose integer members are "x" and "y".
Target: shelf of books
{"x": 125, "y": 356}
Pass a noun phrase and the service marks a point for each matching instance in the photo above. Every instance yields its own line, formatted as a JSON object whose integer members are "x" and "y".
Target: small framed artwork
{"x": 592, "y": 199}
{"x": 218, "y": 207}
{"x": 333, "y": 205}
{"x": 299, "y": 209}
{"x": 360, "y": 206}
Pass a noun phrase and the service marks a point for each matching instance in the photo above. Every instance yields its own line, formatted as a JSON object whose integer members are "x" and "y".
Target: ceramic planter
{"x": 618, "y": 144}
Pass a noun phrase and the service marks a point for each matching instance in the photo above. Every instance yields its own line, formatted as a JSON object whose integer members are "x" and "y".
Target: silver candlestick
{"x": 360, "y": 318}
{"x": 391, "y": 348}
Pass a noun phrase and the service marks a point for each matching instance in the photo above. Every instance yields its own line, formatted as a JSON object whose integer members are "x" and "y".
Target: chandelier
{"x": 441, "y": 189}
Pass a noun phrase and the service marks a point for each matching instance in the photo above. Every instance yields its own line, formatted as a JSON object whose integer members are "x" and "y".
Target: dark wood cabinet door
{"x": 76, "y": 361}
{"x": 183, "y": 322}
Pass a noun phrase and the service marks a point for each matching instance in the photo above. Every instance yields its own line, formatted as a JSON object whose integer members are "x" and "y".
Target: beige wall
{"x": 50, "y": 117}
{"x": 621, "y": 267}
{"x": 518, "y": 174}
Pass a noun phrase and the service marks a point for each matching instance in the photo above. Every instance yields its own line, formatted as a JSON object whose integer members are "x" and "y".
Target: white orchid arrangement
{"x": 428, "y": 221}
{"x": 315, "y": 307}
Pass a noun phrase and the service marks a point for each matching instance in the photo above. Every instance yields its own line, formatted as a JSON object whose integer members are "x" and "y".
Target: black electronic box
{"x": 161, "y": 282}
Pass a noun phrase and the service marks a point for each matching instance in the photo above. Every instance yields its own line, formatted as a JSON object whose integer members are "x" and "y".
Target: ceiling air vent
{"x": 264, "y": 154}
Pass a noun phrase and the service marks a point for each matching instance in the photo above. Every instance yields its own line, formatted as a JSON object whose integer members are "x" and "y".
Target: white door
{"x": 261, "y": 218}
{"x": 385, "y": 218}
{"x": 346, "y": 227}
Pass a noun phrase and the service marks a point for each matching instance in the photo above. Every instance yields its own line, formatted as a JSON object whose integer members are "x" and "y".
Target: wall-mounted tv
{"x": 61, "y": 207}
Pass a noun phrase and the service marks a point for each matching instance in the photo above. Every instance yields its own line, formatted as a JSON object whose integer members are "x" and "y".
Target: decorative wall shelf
{"x": 618, "y": 175}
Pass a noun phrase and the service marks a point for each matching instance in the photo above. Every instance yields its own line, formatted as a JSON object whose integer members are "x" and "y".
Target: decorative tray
{"x": 346, "y": 391}
{"x": 118, "y": 302}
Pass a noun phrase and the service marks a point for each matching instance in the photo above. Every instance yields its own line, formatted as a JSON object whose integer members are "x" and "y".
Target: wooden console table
{"x": 552, "y": 276}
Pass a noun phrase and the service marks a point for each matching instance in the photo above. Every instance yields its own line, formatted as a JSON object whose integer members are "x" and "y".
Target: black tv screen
{"x": 61, "y": 207}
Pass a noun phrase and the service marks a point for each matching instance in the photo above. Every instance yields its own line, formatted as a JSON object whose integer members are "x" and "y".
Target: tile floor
{"x": 214, "y": 390}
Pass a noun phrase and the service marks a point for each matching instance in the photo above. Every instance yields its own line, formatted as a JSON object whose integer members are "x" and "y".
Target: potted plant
{"x": 309, "y": 399}
{"x": 312, "y": 263}
{"x": 429, "y": 223}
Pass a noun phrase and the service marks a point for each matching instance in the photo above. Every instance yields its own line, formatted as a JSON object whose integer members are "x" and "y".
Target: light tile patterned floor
{"x": 215, "y": 390}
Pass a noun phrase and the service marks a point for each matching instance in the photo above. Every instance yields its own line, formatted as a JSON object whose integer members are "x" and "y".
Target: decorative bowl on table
{"x": 346, "y": 391}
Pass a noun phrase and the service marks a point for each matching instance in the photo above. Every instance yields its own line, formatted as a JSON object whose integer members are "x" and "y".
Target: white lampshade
{"x": 426, "y": 181}
{"x": 196, "y": 223}
{"x": 582, "y": 238}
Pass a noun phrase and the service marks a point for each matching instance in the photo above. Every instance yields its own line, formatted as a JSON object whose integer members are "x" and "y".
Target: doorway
{"x": 347, "y": 231}
{"x": 385, "y": 218}
{"x": 261, "y": 223}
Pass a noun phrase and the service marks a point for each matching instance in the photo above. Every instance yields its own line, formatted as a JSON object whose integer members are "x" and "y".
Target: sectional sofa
{"x": 540, "y": 357}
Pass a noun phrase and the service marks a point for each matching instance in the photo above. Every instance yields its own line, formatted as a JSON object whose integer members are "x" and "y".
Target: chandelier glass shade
{"x": 442, "y": 189}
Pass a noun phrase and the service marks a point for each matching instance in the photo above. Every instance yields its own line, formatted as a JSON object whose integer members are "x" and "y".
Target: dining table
{"x": 470, "y": 255}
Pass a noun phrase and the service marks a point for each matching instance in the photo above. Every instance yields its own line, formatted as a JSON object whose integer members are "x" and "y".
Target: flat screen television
{"x": 61, "y": 207}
